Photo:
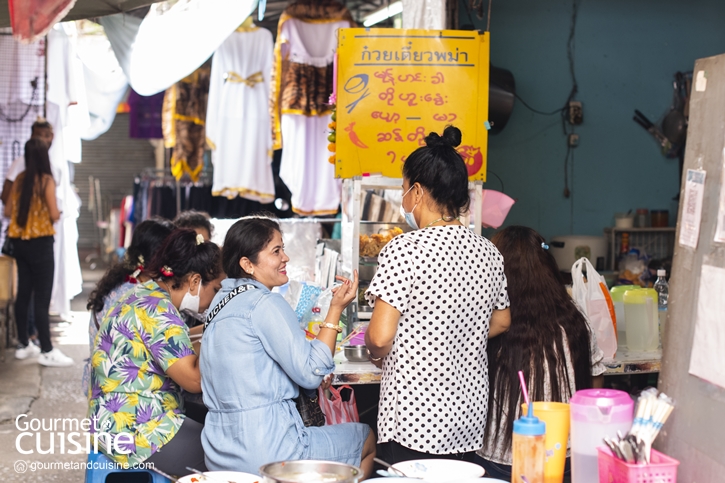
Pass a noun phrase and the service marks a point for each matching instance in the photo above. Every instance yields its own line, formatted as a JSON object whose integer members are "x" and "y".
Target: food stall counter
{"x": 625, "y": 362}
{"x": 631, "y": 362}
{"x": 347, "y": 372}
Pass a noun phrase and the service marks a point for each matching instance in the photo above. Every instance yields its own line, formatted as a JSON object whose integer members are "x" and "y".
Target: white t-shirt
{"x": 445, "y": 281}
{"x": 18, "y": 166}
{"x": 15, "y": 168}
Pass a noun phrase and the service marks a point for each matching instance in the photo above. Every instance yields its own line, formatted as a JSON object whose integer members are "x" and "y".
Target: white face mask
{"x": 191, "y": 302}
{"x": 409, "y": 218}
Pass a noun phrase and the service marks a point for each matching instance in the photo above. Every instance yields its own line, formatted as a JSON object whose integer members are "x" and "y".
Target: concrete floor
{"x": 46, "y": 393}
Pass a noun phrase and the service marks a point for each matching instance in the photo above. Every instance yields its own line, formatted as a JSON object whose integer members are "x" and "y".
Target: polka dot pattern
{"x": 445, "y": 281}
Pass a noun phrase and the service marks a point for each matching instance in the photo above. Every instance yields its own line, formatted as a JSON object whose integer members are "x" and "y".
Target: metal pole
{"x": 45, "y": 79}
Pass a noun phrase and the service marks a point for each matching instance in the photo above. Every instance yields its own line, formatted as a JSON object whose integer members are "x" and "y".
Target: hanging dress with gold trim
{"x": 183, "y": 120}
{"x": 238, "y": 117}
{"x": 304, "y": 53}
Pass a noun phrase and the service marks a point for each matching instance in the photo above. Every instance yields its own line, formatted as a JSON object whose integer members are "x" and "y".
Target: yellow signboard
{"x": 396, "y": 86}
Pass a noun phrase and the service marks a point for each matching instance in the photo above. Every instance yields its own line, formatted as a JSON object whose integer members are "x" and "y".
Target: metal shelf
{"x": 642, "y": 230}
{"x": 354, "y": 192}
{"x": 657, "y": 242}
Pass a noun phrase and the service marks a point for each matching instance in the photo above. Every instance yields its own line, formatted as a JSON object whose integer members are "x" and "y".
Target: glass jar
{"x": 660, "y": 218}
{"x": 642, "y": 218}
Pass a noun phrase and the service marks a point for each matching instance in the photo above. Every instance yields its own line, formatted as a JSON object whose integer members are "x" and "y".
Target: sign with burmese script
{"x": 395, "y": 86}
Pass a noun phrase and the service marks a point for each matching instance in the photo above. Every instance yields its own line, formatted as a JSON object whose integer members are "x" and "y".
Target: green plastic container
{"x": 617, "y": 294}
{"x": 642, "y": 319}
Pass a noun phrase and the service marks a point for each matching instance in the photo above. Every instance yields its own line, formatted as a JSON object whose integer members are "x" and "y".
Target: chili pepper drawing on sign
{"x": 354, "y": 137}
{"x": 394, "y": 87}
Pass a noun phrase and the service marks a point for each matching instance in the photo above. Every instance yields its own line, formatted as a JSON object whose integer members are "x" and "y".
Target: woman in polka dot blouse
{"x": 438, "y": 295}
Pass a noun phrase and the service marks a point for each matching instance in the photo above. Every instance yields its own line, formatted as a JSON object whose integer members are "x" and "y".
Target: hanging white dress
{"x": 305, "y": 168}
{"x": 64, "y": 90}
{"x": 238, "y": 118}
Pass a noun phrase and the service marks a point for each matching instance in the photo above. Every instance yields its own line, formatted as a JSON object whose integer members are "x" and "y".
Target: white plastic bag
{"x": 594, "y": 300}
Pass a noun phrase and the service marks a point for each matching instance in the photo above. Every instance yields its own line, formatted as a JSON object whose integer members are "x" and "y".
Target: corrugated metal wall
{"x": 115, "y": 159}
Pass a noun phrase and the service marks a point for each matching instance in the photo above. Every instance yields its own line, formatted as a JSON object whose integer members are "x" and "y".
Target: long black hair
{"x": 37, "y": 165}
{"x": 246, "y": 238}
{"x": 147, "y": 239}
{"x": 439, "y": 169}
{"x": 540, "y": 309}
{"x": 194, "y": 219}
{"x": 181, "y": 255}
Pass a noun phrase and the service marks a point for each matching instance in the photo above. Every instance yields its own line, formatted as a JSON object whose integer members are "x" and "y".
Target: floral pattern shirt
{"x": 109, "y": 301}
{"x": 139, "y": 339}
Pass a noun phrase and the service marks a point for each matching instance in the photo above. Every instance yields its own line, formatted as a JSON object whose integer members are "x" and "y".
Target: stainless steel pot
{"x": 310, "y": 471}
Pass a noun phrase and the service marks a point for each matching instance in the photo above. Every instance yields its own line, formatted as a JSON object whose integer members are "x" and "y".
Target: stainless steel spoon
{"x": 390, "y": 467}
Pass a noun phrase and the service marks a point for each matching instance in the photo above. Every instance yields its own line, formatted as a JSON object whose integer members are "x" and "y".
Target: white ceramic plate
{"x": 223, "y": 477}
{"x": 415, "y": 480}
{"x": 440, "y": 471}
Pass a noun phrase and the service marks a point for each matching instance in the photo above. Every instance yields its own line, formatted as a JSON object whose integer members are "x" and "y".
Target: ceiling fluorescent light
{"x": 383, "y": 14}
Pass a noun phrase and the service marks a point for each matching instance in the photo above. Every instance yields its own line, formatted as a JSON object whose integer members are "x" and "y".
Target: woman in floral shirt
{"x": 148, "y": 236}
{"x": 143, "y": 355}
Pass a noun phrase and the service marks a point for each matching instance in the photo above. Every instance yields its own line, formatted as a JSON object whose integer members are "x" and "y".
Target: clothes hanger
{"x": 247, "y": 25}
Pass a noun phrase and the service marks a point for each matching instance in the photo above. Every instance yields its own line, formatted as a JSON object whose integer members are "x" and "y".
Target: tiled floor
{"x": 46, "y": 393}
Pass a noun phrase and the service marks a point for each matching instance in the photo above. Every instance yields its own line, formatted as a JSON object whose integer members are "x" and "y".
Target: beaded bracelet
{"x": 374, "y": 359}
{"x": 328, "y": 325}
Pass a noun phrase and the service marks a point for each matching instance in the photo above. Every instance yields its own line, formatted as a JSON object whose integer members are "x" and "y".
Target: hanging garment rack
{"x": 164, "y": 176}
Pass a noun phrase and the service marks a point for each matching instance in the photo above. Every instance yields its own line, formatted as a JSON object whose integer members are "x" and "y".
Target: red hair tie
{"x": 166, "y": 271}
{"x": 133, "y": 278}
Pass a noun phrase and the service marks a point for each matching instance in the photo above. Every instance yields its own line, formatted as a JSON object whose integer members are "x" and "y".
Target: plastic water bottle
{"x": 663, "y": 292}
{"x": 313, "y": 323}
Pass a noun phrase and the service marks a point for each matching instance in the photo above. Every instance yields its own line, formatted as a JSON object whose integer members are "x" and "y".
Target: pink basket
{"x": 662, "y": 469}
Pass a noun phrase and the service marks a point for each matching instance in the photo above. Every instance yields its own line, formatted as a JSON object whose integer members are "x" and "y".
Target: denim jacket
{"x": 254, "y": 358}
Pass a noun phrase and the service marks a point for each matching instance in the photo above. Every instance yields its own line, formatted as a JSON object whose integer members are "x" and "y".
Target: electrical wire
{"x": 527, "y": 106}
{"x": 477, "y": 6}
{"x": 33, "y": 96}
{"x": 568, "y": 165}
{"x": 566, "y": 171}
{"x": 470, "y": 17}
{"x": 570, "y": 47}
{"x": 499, "y": 180}
{"x": 571, "y": 205}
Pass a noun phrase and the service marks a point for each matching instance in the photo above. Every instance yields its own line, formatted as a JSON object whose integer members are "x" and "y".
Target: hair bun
{"x": 451, "y": 137}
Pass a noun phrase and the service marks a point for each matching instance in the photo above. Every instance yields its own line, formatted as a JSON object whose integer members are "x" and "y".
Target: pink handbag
{"x": 340, "y": 408}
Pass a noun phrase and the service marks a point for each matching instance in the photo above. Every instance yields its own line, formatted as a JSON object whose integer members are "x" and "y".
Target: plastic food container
{"x": 662, "y": 469}
{"x": 624, "y": 220}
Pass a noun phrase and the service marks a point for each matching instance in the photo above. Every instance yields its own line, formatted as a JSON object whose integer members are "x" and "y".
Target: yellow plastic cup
{"x": 556, "y": 417}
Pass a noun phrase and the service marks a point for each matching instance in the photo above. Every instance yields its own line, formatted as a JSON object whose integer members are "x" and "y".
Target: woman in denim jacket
{"x": 255, "y": 359}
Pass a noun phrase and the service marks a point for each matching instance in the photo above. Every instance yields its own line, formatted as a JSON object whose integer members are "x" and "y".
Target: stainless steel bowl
{"x": 356, "y": 353}
{"x": 310, "y": 471}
